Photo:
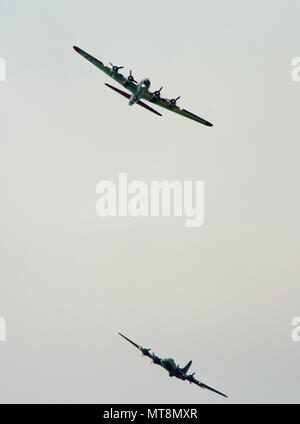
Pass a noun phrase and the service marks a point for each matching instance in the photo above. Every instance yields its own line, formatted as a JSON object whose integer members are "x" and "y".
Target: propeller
{"x": 173, "y": 101}
{"x": 157, "y": 93}
{"x": 130, "y": 77}
{"x": 144, "y": 351}
{"x": 115, "y": 68}
{"x": 190, "y": 377}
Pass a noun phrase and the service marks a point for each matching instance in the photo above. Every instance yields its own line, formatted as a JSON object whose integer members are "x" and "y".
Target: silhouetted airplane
{"x": 173, "y": 369}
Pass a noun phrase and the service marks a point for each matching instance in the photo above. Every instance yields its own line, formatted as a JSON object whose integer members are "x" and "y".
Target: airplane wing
{"x": 191, "y": 379}
{"x": 131, "y": 86}
{"x": 144, "y": 351}
{"x": 174, "y": 108}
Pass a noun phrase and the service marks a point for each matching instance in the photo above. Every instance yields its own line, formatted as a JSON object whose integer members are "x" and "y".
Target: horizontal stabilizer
{"x": 118, "y": 91}
{"x": 140, "y": 103}
{"x": 148, "y": 107}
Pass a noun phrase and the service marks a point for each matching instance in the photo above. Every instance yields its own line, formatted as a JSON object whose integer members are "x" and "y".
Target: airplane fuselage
{"x": 174, "y": 370}
{"x": 140, "y": 89}
{"x": 169, "y": 365}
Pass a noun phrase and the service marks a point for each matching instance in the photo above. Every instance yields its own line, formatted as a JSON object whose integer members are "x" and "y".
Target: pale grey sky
{"x": 224, "y": 294}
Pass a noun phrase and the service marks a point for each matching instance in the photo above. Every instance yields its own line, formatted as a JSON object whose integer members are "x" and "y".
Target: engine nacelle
{"x": 129, "y": 79}
{"x": 172, "y": 102}
{"x": 156, "y": 95}
{"x": 115, "y": 69}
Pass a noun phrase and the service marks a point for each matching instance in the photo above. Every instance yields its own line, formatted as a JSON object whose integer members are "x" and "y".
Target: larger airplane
{"x": 173, "y": 369}
{"x": 139, "y": 90}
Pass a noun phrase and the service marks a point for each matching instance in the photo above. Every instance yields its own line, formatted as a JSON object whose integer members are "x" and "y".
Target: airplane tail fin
{"x": 187, "y": 367}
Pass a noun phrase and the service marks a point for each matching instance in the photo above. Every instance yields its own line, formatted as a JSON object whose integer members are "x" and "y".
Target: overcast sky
{"x": 223, "y": 294}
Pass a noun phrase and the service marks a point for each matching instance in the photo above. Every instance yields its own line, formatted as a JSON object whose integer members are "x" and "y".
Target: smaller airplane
{"x": 139, "y": 90}
{"x": 173, "y": 369}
